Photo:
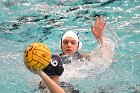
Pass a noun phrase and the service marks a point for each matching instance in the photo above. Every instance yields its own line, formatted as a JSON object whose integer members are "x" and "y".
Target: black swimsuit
{"x": 66, "y": 59}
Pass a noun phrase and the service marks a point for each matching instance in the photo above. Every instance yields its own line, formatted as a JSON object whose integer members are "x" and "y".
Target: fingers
{"x": 104, "y": 24}
{"x": 100, "y": 21}
{"x": 96, "y": 21}
{"x": 99, "y": 26}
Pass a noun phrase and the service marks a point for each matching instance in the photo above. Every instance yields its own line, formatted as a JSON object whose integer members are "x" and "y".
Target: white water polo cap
{"x": 73, "y": 35}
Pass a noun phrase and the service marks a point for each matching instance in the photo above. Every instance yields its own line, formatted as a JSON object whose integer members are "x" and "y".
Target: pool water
{"x": 25, "y": 21}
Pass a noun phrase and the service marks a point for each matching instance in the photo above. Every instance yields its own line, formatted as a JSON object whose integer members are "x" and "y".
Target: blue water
{"x": 25, "y": 21}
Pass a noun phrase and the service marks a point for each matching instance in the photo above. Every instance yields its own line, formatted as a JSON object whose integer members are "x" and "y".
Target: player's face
{"x": 69, "y": 46}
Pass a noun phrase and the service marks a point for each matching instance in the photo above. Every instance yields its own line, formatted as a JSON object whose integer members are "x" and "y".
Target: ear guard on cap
{"x": 80, "y": 45}
{"x": 55, "y": 67}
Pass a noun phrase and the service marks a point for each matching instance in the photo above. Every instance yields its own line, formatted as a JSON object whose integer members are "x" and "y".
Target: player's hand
{"x": 98, "y": 28}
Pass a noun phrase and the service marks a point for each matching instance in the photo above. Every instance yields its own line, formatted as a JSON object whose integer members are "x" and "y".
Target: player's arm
{"x": 53, "y": 87}
{"x": 105, "y": 47}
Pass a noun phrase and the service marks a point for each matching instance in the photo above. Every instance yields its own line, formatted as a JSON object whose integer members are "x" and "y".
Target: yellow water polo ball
{"x": 37, "y": 56}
